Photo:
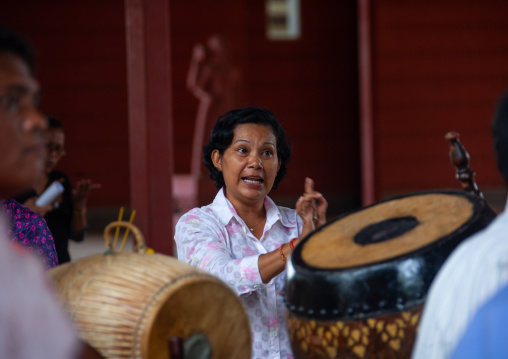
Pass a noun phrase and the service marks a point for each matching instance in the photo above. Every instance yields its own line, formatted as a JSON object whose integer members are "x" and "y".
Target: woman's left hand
{"x": 82, "y": 191}
{"x": 311, "y": 206}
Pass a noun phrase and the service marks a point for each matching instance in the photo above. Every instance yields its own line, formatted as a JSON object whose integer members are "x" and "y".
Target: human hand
{"x": 41, "y": 210}
{"x": 311, "y": 206}
{"x": 82, "y": 191}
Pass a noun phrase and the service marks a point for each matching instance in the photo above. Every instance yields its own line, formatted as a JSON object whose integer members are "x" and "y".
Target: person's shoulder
{"x": 488, "y": 243}
{"x": 286, "y": 211}
{"x": 197, "y": 215}
{"x": 4, "y": 205}
{"x": 288, "y": 216}
{"x": 18, "y": 210}
{"x": 474, "y": 263}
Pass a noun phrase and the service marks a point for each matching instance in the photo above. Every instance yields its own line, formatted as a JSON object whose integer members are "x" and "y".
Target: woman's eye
{"x": 267, "y": 153}
{"x": 242, "y": 150}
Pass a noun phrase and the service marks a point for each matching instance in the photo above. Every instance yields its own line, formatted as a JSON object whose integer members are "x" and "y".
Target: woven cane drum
{"x": 356, "y": 286}
{"x": 129, "y": 304}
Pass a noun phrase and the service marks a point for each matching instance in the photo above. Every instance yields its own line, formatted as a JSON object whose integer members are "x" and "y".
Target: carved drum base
{"x": 383, "y": 337}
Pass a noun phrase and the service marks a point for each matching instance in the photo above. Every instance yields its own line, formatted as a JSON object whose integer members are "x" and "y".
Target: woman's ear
{"x": 217, "y": 160}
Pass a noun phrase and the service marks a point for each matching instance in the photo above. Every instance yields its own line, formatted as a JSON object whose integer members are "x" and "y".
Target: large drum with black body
{"x": 356, "y": 286}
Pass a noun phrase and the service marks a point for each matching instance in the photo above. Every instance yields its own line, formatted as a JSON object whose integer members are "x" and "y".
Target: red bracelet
{"x": 292, "y": 245}
{"x": 282, "y": 254}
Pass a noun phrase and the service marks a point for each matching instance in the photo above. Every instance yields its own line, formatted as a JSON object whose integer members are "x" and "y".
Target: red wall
{"x": 309, "y": 83}
{"x": 438, "y": 66}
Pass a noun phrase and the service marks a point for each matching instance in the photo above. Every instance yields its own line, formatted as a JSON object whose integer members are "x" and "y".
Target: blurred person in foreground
{"x": 23, "y": 154}
{"x": 32, "y": 322}
{"x": 475, "y": 271}
{"x": 485, "y": 336}
{"x": 243, "y": 237}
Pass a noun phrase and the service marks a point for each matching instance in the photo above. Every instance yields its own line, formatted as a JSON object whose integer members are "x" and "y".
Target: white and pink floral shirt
{"x": 215, "y": 239}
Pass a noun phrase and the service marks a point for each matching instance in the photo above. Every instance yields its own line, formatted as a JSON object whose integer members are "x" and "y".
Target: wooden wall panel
{"x": 312, "y": 85}
{"x": 438, "y": 66}
{"x": 309, "y": 83}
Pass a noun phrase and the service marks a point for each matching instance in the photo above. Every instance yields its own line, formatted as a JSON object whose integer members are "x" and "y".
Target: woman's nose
{"x": 255, "y": 161}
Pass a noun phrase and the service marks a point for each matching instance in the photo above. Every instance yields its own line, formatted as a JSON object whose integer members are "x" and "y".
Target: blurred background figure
{"x": 66, "y": 215}
{"x": 215, "y": 82}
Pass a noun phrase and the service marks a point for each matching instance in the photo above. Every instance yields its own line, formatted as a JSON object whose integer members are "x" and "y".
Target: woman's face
{"x": 56, "y": 148}
{"x": 249, "y": 165}
{"x": 22, "y": 127}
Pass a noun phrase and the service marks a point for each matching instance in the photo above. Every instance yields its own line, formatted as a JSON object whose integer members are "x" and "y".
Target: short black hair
{"x": 223, "y": 134}
{"x": 500, "y": 133}
{"x": 13, "y": 43}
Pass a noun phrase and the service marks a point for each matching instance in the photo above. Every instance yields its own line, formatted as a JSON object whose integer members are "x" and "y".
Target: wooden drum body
{"x": 128, "y": 305}
{"x": 356, "y": 286}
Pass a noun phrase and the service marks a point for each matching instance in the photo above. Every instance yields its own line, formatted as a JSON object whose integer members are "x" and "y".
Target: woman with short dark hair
{"x": 243, "y": 237}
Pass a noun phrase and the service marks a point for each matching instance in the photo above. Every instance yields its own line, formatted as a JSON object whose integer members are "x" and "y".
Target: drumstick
{"x": 127, "y": 230}
{"x": 120, "y": 216}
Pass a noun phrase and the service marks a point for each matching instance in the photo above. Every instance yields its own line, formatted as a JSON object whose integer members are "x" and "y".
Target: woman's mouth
{"x": 252, "y": 180}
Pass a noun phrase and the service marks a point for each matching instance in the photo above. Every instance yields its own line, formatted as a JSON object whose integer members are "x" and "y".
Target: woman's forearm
{"x": 273, "y": 263}
{"x": 79, "y": 222}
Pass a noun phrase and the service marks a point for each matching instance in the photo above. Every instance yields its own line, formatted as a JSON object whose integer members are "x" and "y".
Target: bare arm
{"x": 80, "y": 197}
{"x": 194, "y": 80}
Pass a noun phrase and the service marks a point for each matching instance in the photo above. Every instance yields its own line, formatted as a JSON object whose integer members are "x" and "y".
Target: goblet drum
{"x": 130, "y": 304}
{"x": 356, "y": 286}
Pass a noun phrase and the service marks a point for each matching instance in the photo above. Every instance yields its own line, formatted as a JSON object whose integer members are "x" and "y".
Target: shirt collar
{"x": 225, "y": 211}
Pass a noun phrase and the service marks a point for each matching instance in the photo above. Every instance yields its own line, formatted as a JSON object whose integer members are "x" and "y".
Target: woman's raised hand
{"x": 311, "y": 206}
{"x": 82, "y": 191}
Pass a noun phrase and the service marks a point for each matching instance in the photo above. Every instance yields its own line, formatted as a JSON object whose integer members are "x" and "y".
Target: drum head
{"x": 381, "y": 258}
{"x": 387, "y": 230}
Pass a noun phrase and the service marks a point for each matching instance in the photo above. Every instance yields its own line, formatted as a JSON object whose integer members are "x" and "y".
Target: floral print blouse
{"x": 215, "y": 239}
{"x": 30, "y": 230}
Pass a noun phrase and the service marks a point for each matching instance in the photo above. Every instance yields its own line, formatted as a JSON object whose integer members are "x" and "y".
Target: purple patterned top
{"x": 30, "y": 230}
{"x": 215, "y": 239}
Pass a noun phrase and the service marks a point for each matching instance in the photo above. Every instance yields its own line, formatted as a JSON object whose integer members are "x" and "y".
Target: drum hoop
{"x": 478, "y": 206}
